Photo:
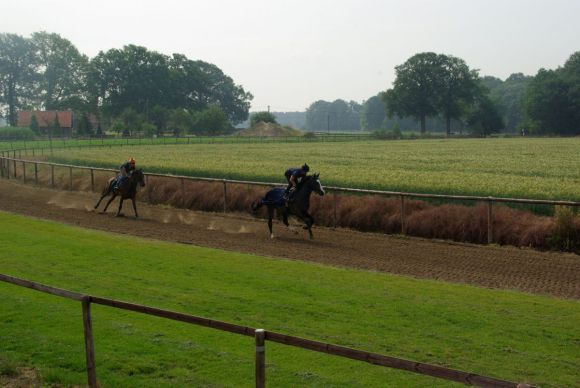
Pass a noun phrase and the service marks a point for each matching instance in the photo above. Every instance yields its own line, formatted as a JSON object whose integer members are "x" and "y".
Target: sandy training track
{"x": 488, "y": 266}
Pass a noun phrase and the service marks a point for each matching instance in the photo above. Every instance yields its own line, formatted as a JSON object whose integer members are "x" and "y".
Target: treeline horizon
{"x": 545, "y": 104}
{"x": 136, "y": 89}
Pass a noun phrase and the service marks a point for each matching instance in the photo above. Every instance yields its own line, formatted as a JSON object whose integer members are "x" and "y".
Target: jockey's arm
{"x": 293, "y": 180}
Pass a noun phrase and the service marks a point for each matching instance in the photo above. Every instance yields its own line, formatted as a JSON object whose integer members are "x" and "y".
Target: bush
{"x": 566, "y": 234}
{"x": 264, "y": 117}
{"x": 16, "y": 133}
{"x": 310, "y": 135}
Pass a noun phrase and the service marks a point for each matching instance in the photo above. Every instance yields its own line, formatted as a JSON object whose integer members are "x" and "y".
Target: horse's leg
{"x": 270, "y": 216}
{"x": 98, "y": 203}
{"x": 285, "y": 221}
{"x": 108, "y": 203}
{"x": 134, "y": 207}
{"x": 120, "y": 207}
{"x": 309, "y": 222}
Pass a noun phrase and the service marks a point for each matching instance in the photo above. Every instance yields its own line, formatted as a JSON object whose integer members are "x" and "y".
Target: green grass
{"x": 504, "y": 334}
{"x": 526, "y": 168}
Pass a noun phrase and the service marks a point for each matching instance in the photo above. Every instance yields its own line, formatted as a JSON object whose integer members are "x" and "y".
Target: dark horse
{"x": 298, "y": 207}
{"x": 127, "y": 190}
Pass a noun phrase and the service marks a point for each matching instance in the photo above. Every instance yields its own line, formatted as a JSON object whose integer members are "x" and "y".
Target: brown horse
{"x": 127, "y": 190}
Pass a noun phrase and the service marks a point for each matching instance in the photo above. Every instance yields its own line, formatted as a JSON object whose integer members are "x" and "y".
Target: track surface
{"x": 531, "y": 271}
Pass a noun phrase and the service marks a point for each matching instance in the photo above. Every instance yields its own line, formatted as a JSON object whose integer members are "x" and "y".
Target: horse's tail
{"x": 256, "y": 205}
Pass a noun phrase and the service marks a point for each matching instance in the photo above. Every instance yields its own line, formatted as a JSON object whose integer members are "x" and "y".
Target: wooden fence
{"x": 8, "y": 169}
{"x": 260, "y": 335}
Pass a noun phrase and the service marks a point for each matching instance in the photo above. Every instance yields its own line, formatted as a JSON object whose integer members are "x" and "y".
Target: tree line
{"x": 132, "y": 88}
{"x": 439, "y": 92}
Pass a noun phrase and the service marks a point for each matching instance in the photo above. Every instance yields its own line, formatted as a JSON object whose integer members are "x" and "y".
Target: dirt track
{"x": 489, "y": 266}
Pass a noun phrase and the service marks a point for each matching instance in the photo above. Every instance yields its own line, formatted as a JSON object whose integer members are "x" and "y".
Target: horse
{"x": 127, "y": 190}
{"x": 274, "y": 199}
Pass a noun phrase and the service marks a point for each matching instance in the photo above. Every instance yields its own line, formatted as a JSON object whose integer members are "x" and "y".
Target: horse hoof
{"x": 272, "y": 235}
{"x": 120, "y": 215}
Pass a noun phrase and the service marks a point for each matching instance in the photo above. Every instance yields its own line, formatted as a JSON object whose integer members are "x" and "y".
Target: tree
{"x": 264, "y": 117}
{"x": 84, "y": 126}
{"x": 456, "y": 90}
{"x": 18, "y": 73}
{"x": 415, "y": 90}
{"x": 180, "y": 121}
{"x": 484, "y": 117}
{"x": 212, "y": 120}
{"x": 159, "y": 116}
{"x": 508, "y": 95}
{"x": 548, "y": 104}
{"x": 373, "y": 113}
{"x": 63, "y": 73}
{"x": 338, "y": 115}
{"x": 34, "y": 123}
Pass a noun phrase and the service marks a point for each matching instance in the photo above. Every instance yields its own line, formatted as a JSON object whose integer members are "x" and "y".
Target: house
{"x": 67, "y": 121}
{"x": 46, "y": 120}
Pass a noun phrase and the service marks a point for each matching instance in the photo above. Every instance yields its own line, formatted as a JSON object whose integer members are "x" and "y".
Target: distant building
{"x": 46, "y": 120}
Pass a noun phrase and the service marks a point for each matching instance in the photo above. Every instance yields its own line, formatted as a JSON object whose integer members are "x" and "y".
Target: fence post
{"x": 489, "y": 221}
{"x": 70, "y": 185}
{"x": 182, "y": 192}
{"x": 403, "y": 226}
{"x": 334, "y": 205}
{"x": 92, "y": 181}
{"x": 35, "y": 173}
{"x": 52, "y": 175}
{"x": 89, "y": 346}
{"x": 7, "y": 168}
{"x": 15, "y": 174}
{"x": 260, "y": 358}
{"x": 23, "y": 172}
{"x": 225, "y": 196}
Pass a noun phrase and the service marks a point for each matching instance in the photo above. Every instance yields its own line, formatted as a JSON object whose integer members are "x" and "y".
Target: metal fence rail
{"x": 8, "y": 169}
{"x": 261, "y": 337}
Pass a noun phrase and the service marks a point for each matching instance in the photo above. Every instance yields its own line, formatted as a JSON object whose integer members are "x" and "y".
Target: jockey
{"x": 124, "y": 172}
{"x": 292, "y": 175}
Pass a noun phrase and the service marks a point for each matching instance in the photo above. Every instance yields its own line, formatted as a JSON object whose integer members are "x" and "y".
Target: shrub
{"x": 264, "y": 117}
{"x": 16, "y": 133}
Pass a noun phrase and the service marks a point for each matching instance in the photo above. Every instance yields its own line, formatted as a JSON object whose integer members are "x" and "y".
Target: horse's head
{"x": 139, "y": 177}
{"x": 315, "y": 185}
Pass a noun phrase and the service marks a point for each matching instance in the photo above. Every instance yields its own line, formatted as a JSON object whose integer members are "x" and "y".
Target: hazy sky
{"x": 289, "y": 54}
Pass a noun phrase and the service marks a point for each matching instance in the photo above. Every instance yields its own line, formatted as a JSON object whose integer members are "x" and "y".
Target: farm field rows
{"x": 501, "y": 333}
{"x": 525, "y": 168}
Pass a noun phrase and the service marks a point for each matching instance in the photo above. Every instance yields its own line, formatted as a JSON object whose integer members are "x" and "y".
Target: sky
{"x": 289, "y": 54}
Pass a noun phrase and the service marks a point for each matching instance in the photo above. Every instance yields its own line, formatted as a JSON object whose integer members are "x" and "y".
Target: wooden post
{"x": 225, "y": 196}
{"x": 70, "y": 185}
{"x": 489, "y": 221}
{"x": 7, "y": 168}
{"x": 334, "y": 205}
{"x": 15, "y": 175}
{"x": 89, "y": 346}
{"x": 23, "y": 172}
{"x": 403, "y": 226}
{"x": 182, "y": 192}
{"x": 92, "y": 180}
{"x": 260, "y": 358}
{"x": 35, "y": 173}
{"x": 52, "y": 175}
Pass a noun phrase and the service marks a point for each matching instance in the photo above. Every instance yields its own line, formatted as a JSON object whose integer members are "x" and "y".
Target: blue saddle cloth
{"x": 274, "y": 197}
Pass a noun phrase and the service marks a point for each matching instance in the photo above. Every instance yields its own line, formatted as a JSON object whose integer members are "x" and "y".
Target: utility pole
{"x": 328, "y": 123}
{"x": 268, "y": 108}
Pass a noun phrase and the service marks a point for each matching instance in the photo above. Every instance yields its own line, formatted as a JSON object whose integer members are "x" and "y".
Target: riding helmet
{"x": 305, "y": 167}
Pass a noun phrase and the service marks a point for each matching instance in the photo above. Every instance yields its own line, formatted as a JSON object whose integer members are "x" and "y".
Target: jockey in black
{"x": 124, "y": 172}
{"x": 292, "y": 175}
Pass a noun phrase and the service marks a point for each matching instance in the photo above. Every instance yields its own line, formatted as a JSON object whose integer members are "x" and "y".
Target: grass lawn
{"x": 517, "y": 167}
{"x": 503, "y": 334}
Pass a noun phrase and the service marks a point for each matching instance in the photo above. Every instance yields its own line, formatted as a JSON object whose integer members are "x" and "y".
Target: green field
{"x": 525, "y": 168}
{"x": 504, "y": 334}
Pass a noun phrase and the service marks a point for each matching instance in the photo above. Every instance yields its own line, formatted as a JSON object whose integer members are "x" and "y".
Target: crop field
{"x": 524, "y": 168}
{"x": 505, "y": 334}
